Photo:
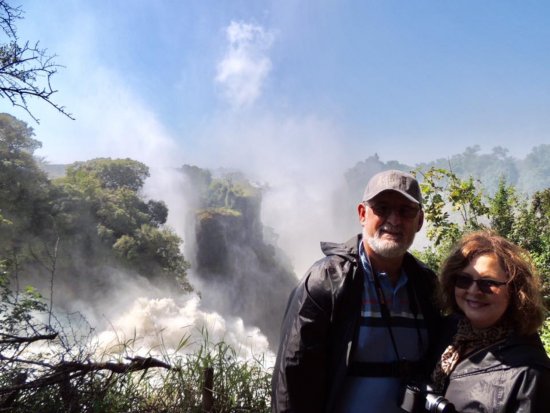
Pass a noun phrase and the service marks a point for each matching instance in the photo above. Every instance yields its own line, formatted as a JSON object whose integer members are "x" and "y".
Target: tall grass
{"x": 239, "y": 384}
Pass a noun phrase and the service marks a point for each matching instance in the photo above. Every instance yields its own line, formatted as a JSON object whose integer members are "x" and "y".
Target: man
{"x": 361, "y": 320}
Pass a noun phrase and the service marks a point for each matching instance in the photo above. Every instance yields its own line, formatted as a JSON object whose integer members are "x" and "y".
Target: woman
{"x": 496, "y": 361}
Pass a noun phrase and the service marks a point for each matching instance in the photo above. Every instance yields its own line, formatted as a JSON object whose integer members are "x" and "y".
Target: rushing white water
{"x": 173, "y": 318}
{"x": 161, "y": 325}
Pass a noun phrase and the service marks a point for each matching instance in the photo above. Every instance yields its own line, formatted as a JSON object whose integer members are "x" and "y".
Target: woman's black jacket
{"x": 511, "y": 376}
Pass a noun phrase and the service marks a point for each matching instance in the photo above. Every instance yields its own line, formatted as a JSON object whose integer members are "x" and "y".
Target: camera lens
{"x": 439, "y": 404}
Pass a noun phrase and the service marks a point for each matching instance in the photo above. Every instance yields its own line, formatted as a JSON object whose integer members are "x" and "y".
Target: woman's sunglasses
{"x": 485, "y": 286}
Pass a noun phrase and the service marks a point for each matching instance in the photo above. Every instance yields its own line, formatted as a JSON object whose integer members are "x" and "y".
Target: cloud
{"x": 246, "y": 65}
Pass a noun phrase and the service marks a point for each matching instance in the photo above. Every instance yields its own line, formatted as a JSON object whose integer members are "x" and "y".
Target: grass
{"x": 239, "y": 385}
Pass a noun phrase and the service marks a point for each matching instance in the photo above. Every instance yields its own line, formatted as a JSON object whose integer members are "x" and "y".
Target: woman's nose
{"x": 474, "y": 289}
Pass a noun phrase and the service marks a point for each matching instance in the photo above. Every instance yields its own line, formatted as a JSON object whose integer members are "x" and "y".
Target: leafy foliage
{"x": 97, "y": 211}
{"x": 149, "y": 248}
{"x": 200, "y": 178}
{"x": 110, "y": 174}
{"x": 463, "y": 197}
{"x": 23, "y": 186}
{"x": 17, "y": 309}
{"x": 228, "y": 193}
{"x": 454, "y": 206}
{"x": 502, "y": 209}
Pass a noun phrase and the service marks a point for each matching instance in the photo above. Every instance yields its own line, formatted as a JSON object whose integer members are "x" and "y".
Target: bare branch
{"x": 54, "y": 261}
{"x": 32, "y": 339}
{"x": 8, "y": 15}
{"x": 18, "y": 360}
{"x": 136, "y": 364}
{"x": 23, "y": 66}
{"x": 66, "y": 371}
{"x": 38, "y": 260}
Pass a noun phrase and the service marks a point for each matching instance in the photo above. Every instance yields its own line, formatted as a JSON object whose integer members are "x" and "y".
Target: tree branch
{"x": 32, "y": 339}
{"x": 22, "y": 66}
{"x": 78, "y": 369}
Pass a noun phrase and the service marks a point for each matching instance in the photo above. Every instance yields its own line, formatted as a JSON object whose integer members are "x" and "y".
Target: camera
{"x": 421, "y": 397}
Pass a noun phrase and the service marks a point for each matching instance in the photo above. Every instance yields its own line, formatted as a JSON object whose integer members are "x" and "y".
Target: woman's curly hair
{"x": 526, "y": 310}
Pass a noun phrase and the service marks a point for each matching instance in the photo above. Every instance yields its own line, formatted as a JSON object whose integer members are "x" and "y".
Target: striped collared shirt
{"x": 377, "y": 394}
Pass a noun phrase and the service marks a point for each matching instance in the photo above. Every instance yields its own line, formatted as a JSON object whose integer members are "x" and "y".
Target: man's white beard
{"x": 386, "y": 247}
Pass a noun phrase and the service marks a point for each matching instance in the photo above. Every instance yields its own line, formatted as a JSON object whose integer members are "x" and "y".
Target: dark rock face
{"x": 245, "y": 276}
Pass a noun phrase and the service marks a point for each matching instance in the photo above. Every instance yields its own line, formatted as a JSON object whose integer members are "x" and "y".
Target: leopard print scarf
{"x": 465, "y": 338}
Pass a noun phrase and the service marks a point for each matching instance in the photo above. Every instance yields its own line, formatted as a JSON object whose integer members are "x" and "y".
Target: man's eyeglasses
{"x": 485, "y": 286}
{"x": 385, "y": 210}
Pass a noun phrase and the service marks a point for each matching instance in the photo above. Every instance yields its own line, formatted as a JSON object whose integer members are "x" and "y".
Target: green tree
{"x": 526, "y": 222}
{"x": 532, "y": 232}
{"x": 158, "y": 212}
{"x": 23, "y": 186}
{"x": 100, "y": 204}
{"x": 122, "y": 211}
{"x": 200, "y": 178}
{"x": 151, "y": 248}
{"x": 442, "y": 199}
{"x": 502, "y": 209}
{"x": 110, "y": 174}
{"x": 444, "y": 194}
{"x": 97, "y": 205}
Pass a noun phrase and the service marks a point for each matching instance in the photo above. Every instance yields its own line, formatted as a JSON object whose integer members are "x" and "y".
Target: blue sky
{"x": 217, "y": 83}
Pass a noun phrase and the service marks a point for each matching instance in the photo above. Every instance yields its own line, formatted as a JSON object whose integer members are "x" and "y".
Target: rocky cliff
{"x": 245, "y": 276}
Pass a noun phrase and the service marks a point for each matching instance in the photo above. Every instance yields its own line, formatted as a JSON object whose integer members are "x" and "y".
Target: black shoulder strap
{"x": 383, "y": 305}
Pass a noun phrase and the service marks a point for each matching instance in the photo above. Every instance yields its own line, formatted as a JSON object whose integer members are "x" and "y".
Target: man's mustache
{"x": 389, "y": 227}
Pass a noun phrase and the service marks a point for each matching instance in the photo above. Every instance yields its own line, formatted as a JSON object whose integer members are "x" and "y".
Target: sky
{"x": 222, "y": 83}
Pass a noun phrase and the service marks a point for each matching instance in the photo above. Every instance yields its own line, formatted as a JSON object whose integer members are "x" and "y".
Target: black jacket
{"x": 320, "y": 325}
{"x": 513, "y": 376}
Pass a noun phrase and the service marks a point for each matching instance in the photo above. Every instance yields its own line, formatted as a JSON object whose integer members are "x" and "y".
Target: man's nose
{"x": 394, "y": 218}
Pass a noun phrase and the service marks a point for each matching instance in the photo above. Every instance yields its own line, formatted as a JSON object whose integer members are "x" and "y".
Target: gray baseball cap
{"x": 394, "y": 180}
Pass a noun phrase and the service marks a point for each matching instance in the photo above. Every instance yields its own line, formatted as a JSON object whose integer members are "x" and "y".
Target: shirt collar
{"x": 365, "y": 261}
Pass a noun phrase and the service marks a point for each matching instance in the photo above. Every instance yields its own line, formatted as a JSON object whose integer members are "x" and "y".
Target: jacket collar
{"x": 524, "y": 350}
{"x": 347, "y": 250}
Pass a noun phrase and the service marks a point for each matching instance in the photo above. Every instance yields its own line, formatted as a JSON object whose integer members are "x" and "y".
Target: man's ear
{"x": 420, "y": 221}
{"x": 362, "y": 211}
